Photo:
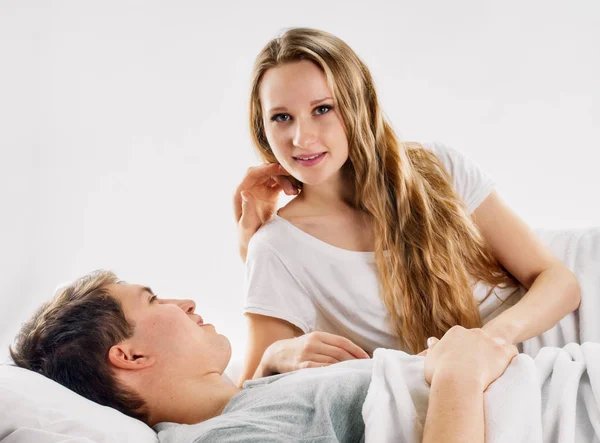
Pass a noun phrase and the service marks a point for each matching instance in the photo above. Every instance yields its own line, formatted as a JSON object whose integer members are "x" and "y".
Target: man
{"x": 155, "y": 359}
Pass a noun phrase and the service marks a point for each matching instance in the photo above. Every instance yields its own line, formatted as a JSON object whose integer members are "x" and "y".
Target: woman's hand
{"x": 255, "y": 199}
{"x": 470, "y": 354}
{"x": 311, "y": 350}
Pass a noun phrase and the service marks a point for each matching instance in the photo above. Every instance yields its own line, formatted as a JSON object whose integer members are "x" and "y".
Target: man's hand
{"x": 255, "y": 199}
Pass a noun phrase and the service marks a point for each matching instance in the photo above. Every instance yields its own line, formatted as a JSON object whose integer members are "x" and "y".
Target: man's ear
{"x": 125, "y": 356}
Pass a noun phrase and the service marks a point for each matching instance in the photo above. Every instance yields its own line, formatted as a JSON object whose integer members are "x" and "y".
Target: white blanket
{"x": 579, "y": 250}
{"x": 554, "y": 398}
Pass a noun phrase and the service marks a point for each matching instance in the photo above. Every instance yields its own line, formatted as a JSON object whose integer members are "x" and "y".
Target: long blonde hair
{"x": 427, "y": 247}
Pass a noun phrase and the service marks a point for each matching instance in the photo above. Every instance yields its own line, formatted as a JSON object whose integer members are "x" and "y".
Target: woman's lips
{"x": 310, "y": 160}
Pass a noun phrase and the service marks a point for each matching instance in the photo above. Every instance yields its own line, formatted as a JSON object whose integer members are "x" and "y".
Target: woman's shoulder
{"x": 470, "y": 181}
{"x": 455, "y": 162}
{"x": 272, "y": 237}
{"x": 446, "y": 154}
{"x": 267, "y": 233}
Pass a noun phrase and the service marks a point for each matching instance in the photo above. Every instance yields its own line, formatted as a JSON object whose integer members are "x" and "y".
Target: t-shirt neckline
{"x": 322, "y": 245}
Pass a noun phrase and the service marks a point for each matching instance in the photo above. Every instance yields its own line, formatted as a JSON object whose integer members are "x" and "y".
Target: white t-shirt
{"x": 296, "y": 277}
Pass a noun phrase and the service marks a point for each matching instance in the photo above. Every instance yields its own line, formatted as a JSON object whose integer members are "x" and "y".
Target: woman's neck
{"x": 337, "y": 192}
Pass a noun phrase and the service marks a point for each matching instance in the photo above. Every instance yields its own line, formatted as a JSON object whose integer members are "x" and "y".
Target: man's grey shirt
{"x": 310, "y": 405}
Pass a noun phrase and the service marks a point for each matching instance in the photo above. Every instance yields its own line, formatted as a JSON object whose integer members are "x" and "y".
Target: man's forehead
{"x": 127, "y": 290}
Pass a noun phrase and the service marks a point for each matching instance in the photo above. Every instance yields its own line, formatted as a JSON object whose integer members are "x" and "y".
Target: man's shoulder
{"x": 226, "y": 428}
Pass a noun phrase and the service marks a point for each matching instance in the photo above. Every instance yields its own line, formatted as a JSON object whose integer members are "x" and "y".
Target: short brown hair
{"x": 68, "y": 339}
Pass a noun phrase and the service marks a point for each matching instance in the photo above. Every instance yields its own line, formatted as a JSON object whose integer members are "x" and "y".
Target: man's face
{"x": 170, "y": 331}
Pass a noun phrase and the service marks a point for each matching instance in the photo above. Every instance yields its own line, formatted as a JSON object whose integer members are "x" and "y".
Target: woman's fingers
{"x": 431, "y": 342}
{"x": 311, "y": 364}
{"x": 321, "y": 358}
{"x": 335, "y": 352}
{"x": 511, "y": 351}
{"x": 249, "y": 219}
{"x": 344, "y": 344}
{"x": 259, "y": 174}
{"x": 256, "y": 175}
{"x": 271, "y": 176}
{"x": 286, "y": 184}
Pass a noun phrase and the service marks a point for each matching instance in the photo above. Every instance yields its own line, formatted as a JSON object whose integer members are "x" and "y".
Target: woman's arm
{"x": 553, "y": 290}
{"x": 459, "y": 368}
{"x": 263, "y": 331}
{"x": 271, "y": 350}
{"x": 455, "y": 411}
{"x": 255, "y": 199}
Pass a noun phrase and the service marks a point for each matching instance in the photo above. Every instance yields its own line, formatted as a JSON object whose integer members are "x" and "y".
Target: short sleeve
{"x": 470, "y": 181}
{"x": 273, "y": 290}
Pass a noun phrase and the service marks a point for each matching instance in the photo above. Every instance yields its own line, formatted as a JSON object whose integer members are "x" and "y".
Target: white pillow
{"x": 31, "y": 404}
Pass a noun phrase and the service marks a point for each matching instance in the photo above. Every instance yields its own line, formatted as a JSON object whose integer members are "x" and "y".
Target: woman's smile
{"x": 310, "y": 159}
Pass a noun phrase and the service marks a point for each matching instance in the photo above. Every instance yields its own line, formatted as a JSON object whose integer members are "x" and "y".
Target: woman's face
{"x": 302, "y": 125}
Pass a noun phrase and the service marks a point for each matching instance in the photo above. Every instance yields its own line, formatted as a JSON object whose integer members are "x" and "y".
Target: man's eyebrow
{"x": 147, "y": 290}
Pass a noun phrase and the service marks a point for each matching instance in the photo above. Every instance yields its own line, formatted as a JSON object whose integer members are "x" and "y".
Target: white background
{"x": 123, "y": 126}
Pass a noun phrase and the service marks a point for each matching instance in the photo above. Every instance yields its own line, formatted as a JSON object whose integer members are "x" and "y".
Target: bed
{"x": 36, "y": 409}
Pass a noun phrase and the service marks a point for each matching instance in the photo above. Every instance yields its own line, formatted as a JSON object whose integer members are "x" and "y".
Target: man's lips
{"x": 200, "y": 321}
{"x": 197, "y": 319}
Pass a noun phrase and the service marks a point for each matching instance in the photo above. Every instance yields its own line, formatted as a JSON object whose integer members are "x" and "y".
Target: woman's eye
{"x": 280, "y": 117}
{"x": 153, "y": 298}
{"x": 323, "y": 109}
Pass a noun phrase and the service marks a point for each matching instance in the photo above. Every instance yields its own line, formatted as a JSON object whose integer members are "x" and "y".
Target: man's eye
{"x": 280, "y": 118}
{"x": 323, "y": 109}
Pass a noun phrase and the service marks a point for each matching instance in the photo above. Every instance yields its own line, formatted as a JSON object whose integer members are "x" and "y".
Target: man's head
{"x": 118, "y": 344}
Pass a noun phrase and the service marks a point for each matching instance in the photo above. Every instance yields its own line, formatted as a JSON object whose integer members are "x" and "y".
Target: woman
{"x": 387, "y": 243}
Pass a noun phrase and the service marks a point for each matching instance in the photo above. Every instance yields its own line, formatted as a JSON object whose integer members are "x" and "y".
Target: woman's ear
{"x": 124, "y": 356}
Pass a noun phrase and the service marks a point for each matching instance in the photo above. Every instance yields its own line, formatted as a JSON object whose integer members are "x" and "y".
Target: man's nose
{"x": 188, "y": 306}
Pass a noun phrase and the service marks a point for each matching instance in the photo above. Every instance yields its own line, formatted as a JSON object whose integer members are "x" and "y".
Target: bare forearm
{"x": 258, "y": 368}
{"x": 263, "y": 332}
{"x": 267, "y": 365}
{"x": 455, "y": 413}
{"x": 243, "y": 250}
{"x": 553, "y": 294}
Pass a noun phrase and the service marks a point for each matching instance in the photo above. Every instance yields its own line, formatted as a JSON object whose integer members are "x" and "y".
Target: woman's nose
{"x": 306, "y": 134}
